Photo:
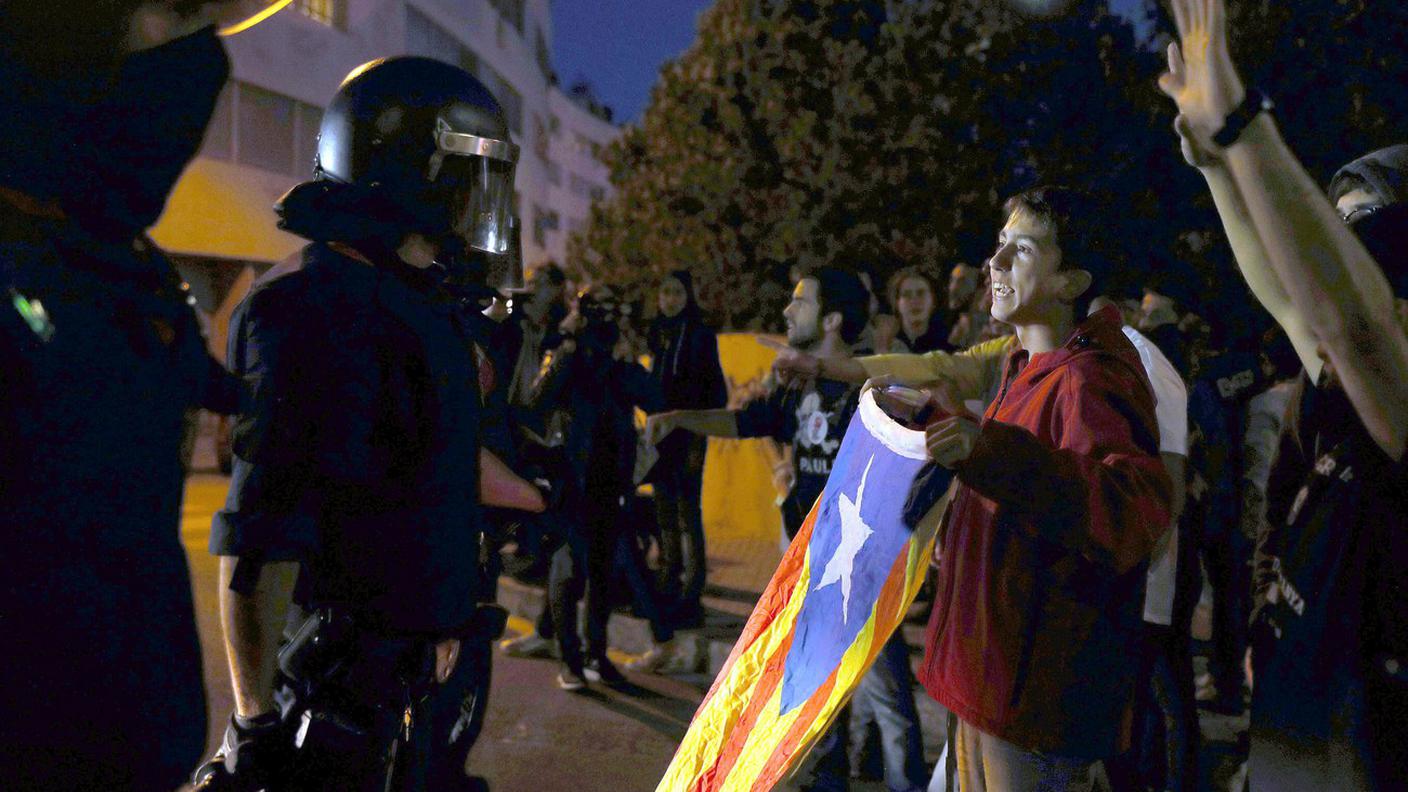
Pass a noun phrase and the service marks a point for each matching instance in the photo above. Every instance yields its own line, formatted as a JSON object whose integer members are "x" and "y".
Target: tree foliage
{"x": 873, "y": 134}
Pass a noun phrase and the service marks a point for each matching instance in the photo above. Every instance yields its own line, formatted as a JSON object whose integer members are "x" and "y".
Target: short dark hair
{"x": 840, "y": 291}
{"x": 892, "y": 289}
{"x": 1078, "y": 222}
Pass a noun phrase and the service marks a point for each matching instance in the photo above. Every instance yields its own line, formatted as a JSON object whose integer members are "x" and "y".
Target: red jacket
{"x": 1034, "y": 636}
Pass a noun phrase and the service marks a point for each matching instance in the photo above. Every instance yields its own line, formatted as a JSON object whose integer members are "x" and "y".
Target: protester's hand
{"x": 886, "y": 328}
{"x": 784, "y": 478}
{"x": 882, "y": 382}
{"x": 951, "y": 440}
{"x": 447, "y": 654}
{"x": 658, "y": 427}
{"x": 1201, "y": 77}
{"x": 792, "y": 366}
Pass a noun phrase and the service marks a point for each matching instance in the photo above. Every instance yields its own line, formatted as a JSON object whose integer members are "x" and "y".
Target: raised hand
{"x": 1201, "y": 77}
{"x": 791, "y": 365}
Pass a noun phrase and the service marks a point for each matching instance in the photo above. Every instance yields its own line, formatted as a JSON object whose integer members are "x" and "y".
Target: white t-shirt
{"x": 1171, "y": 412}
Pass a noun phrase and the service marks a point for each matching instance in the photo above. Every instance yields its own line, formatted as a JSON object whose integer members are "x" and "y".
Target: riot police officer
{"x": 357, "y": 457}
{"x": 101, "y": 106}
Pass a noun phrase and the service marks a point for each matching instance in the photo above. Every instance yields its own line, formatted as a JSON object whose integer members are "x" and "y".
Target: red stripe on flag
{"x": 731, "y": 750}
{"x": 891, "y": 594}
{"x": 772, "y": 602}
{"x": 777, "y": 764}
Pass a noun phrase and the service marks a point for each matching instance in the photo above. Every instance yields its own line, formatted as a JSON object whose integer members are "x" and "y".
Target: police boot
{"x": 253, "y": 754}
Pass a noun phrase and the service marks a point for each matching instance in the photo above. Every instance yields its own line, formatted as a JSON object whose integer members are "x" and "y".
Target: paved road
{"x": 536, "y": 737}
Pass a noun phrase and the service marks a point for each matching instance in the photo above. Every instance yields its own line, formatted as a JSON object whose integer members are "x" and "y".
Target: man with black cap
{"x": 102, "y": 106}
{"x": 357, "y": 458}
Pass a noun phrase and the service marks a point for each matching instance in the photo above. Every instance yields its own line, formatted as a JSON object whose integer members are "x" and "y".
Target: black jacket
{"x": 590, "y": 397}
{"x": 101, "y": 660}
{"x": 357, "y": 453}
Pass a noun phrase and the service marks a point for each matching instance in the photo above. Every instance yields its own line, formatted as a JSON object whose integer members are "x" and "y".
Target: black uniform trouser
{"x": 358, "y": 733}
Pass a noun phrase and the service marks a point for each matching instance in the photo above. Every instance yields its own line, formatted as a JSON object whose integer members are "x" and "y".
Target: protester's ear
{"x": 831, "y": 323}
{"x": 1074, "y": 282}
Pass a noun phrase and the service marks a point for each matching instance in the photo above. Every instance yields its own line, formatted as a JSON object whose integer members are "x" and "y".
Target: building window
{"x": 597, "y": 192}
{"x": 554, "y": 173}
{"x": 265, "y": 129}
{"x": 424, "y": 37}
{"x": 554, "y": 125}
{"x": 329, "y": 12}
{"x": 511, "y": 10}
{"x": 219, "y": 140}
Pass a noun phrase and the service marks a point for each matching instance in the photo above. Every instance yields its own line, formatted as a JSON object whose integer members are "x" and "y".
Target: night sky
{"x": 619, "y": 45}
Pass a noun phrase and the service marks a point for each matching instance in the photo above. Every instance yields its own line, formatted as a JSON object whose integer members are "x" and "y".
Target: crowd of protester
{"x": 1184, "y": 462}
{"x": 1258, "y": 427}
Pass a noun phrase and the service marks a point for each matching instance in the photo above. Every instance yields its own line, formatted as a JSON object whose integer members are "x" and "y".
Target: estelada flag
{"x": 840, "y": 591}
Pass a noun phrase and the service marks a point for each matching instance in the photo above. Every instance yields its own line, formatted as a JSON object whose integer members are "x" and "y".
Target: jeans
{"x": 1166, "y": 739}
{"x": 581, "y": 570}
{"x": 887, "y": 690}
{"x": 1227, "y": 554}
{"x": 988, "y": 764}
{"x": 679, "y": 484}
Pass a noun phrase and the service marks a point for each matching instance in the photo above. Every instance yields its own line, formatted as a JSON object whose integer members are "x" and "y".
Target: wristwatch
{"x": 1253, "y": 104}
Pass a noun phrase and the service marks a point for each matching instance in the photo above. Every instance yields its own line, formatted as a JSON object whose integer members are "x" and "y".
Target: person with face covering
{"x": 103, "y": 105}
{"x": 685, "y": 363}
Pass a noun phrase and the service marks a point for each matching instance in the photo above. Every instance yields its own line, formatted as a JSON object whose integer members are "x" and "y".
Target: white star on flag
{"x": 854, "y": 532}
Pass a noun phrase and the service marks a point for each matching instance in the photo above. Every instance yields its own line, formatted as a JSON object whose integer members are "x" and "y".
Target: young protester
{"x": 916, "y": 299}
{"x": 826, "y": 316}
{"x": 1330, "y": 633}
{"x": 1062, "y": 498}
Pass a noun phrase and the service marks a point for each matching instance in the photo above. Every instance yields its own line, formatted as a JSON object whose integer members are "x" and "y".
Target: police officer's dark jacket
{"x": 358, "y": 451}
{"x": 100, "y": 358}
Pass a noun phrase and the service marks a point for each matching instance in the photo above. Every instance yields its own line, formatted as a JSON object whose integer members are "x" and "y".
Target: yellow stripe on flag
{"x": 713, "y": 723}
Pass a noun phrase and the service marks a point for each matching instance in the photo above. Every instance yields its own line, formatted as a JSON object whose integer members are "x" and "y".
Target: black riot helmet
{"x": 427, "y": 143}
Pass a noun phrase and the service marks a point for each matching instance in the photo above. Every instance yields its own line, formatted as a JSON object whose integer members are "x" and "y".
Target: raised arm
{"x": 1328, "y": 275}
{"x": 970, "y": 372}
{"x": 1247, "y": 249}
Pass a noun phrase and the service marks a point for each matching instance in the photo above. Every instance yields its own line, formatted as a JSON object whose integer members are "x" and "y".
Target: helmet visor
{"x": 505, "y": 273}
{"x": 480, "y": 190}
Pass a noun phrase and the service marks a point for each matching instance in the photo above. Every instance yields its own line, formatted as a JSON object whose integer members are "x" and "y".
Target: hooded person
{"x": 1378, "y": 178}
{"x": 685, "y": 362}
{"x": 103, "y": 357}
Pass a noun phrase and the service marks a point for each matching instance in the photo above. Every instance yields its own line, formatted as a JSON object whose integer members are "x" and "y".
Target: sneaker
{"x": 571, "y": 679}
{"x": 530, "y": 645}
{"x": 599, "y": 669}
{"x": 661, "y": 658}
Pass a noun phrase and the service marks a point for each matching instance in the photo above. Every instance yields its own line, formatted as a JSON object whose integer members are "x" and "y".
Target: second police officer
{"x": 357, "y": 458}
